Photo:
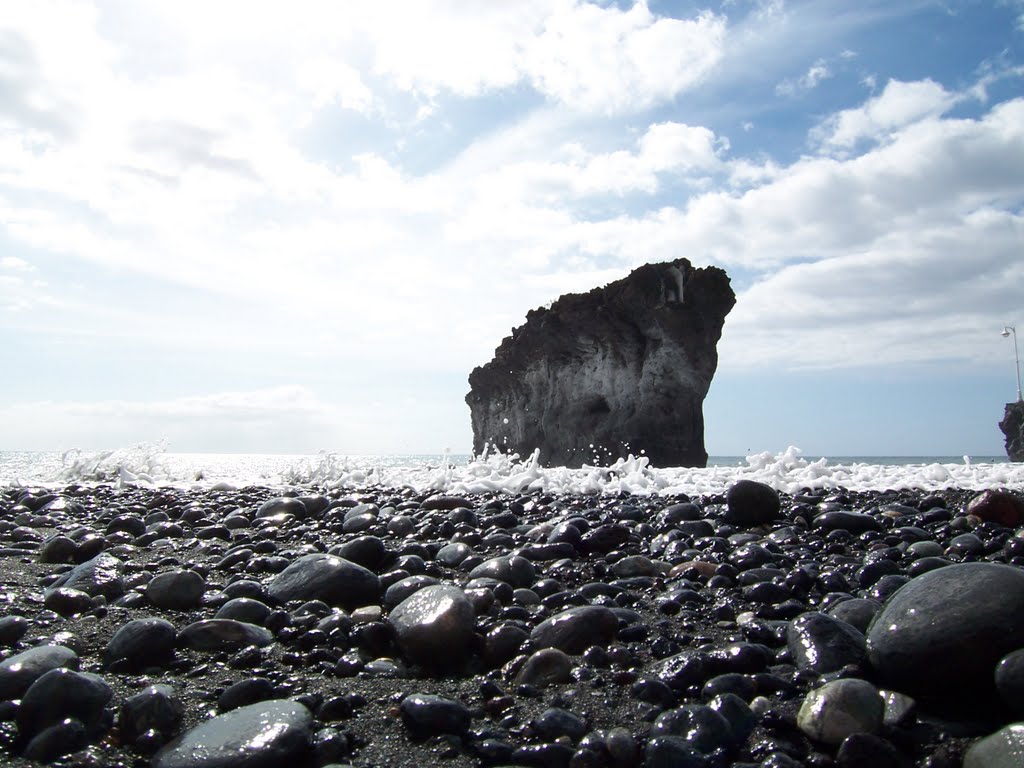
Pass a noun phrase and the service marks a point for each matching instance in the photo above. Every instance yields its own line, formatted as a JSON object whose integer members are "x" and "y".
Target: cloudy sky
{"x": 285, "y": 227}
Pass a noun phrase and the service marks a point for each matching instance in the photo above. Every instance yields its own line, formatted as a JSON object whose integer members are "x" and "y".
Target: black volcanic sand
{"x": 686, "y": 632}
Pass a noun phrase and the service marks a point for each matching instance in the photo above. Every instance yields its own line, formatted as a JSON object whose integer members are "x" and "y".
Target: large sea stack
{"x": 1013, "y": 428}
{"x": 620, "y": 370}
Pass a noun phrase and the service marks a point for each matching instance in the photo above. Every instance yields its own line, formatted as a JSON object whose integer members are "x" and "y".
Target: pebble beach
{"x": 261, "y": 625}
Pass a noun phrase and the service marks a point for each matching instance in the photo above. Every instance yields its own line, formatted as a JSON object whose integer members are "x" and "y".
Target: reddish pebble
{"x": 1000, "y": 507}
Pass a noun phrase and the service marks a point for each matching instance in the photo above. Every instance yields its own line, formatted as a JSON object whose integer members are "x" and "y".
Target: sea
{"x": 789, "y": 471}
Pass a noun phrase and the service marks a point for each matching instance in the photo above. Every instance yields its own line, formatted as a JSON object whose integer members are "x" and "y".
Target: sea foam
{"x": 492, "y": 472}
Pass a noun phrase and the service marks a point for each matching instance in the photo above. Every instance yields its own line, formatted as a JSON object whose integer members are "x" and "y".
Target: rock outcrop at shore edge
{"x": 618, "y": 370}
{"x": 1013, "y": 428}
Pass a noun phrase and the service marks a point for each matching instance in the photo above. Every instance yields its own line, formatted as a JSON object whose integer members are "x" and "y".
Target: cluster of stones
{"x": 245, "y": 628}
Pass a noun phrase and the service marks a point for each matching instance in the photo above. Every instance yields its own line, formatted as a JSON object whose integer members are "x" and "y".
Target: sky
{"x": 266, "y": 227}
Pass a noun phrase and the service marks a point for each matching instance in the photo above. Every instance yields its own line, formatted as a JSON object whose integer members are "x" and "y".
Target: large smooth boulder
{"x": 943, "y": 633}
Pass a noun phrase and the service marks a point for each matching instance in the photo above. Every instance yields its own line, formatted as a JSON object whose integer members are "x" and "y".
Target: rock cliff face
{"x": 1013, "y": 427}
{"x": 622, "y": 369}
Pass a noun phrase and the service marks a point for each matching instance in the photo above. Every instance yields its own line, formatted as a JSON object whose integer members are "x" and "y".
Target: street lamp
{"x": 1007, "y": 330}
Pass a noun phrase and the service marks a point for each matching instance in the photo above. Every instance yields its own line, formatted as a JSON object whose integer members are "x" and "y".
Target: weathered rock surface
{"x": 1013, "y": 428}
{"x": 619, "y": 370}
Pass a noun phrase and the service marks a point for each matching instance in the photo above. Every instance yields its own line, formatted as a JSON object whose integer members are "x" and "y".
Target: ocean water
{"x": 788, "y": 471}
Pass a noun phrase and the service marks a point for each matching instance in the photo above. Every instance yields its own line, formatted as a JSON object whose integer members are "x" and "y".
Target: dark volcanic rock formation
{"x": 1013, "y": 427}
{"x": 619, "y": 370}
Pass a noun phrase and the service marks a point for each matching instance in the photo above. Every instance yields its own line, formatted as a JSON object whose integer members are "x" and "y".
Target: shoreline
{"x": 789, "y": 471}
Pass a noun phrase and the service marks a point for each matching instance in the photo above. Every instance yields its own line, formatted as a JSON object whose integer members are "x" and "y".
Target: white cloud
{"x": 279, "y": 420}
{"x": 899, "y": 104}
{"x": 332, "y": 81}
{"x": 818, "y": 72}
{"x": 607, "y": 60}
{"x": 14, "y": 264}
{"x": 584, "y": 55}
{"x": 666, "y": 150}
{"x": 284, "y": 419}
{"x": 909, "y": 300}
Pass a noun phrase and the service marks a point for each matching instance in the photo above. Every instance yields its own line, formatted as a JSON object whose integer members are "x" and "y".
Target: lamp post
{"x": 1007, "y": 330}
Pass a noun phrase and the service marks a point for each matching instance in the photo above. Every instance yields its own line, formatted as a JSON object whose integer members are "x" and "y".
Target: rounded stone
{"x": 367, "y": 551}
{"x": 283, "y": 505}
{"x": 549, "y": 666}
{"x": 841, "y": 520}
{"x": 821, "y": 643}
{"x": 1002, "y": 749}
{"x": 838, "y": 709}
{"x": 503, "y": 642}
{"x": 57, "y": 740}
{"x": 961, "y": 619}
{"x": 865, "y": 749}
{"x": 576, "y": 629}
{"x": 224, "y": 635}
{"x": 435, "y": 626}
{"x": 858, "y": 612}
{"x": 672, "y": 752}
{"x": 404, "y": 588}
{"x": 636, "y": 565}
{"x": 555, "y": 722}
{"x": 12, "y": 629}
{"x": 453, "y": 554}
{"x": 335, "y": 580}
{"x": 67, "y": 601}
{"x": 998, "y": 506}
{"x": 604, "y": 538}
{"x": 1009, "y": 678}
{"x": 157, "y": 708}
{"x": 751, "y": 503}
{"x": 57, "y": 549}
{"x": 683, "y": 669}
{"x": 102, "y": 575}
{"x": 260, "y": 735}
{"x": 245, "y": 692}
{"x": 704, "y": 729}
{"x": 426, "y": 715}
{"x": 512, "y": 569}
{"x": 18, "y": 672}
{"x": 176, "y": 590}
{"x": 741, "y": 718}
{"x": 62, "y": 693}
{"x": 446, "y": 503}
{"x": 244, "y": 609}
{"x": 142, "y": 643}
